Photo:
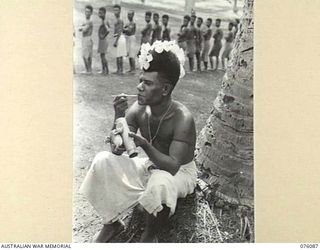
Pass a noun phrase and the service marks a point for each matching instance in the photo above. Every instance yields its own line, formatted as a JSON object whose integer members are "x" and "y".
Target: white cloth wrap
{"x": 121, "y": 49}
{"x": 115, "y": 184}
{"x": 131, "y": 46}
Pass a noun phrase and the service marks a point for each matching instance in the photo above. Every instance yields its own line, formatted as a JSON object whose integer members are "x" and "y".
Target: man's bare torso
{"x": 178, "y": 125}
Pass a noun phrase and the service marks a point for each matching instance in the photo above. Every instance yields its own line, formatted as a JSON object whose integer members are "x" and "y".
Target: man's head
{"x": 147, "y": 17}
{"x": 165, "y": 19}
{"x": 88, "y": 11}
{"x": 156, "y": 17}
{"x": 230, "y": 26}
{"x": 102, "y": 13}
{"x": 193, "y": 19}
{"x": 116, "y": 10}
{"x": 209, "y": 22}
{"x": 186, "y": 20}
{"x": 130, "y": 15}
{"x": 218, "y": 22}
{"x": 158, "y": 81}
{"x": 199, "y": 21}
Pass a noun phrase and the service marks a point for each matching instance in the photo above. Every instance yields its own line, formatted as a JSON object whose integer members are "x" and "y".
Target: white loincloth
{"x": 121, "y": 49}
{"x": 115, "y": 184}
{"x": 131, "y": 46}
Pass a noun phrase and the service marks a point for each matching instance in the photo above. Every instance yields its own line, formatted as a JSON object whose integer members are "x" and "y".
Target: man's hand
{"x": 117, "y": 150}
{"x": 139, "y": 140}
{"x": 115, "y": 44}
{"x": 120, "y": 104}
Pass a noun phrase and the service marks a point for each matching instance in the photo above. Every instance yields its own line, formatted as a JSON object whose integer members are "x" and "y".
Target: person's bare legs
{"x": 223, "y": 62}
{"x": 89, "y": 64}
{"x": 211, "y": 61}
{"x": 108, "y": 231}
{"x": 191, "y": 63}
{"x": 217, "y": 62}
{"x": 85, "y": 63}
{"x": 154, "y": 224}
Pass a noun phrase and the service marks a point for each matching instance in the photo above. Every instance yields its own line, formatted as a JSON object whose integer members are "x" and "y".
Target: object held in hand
{"x": 120, "y": 136}
{"x": 124, "y": 95}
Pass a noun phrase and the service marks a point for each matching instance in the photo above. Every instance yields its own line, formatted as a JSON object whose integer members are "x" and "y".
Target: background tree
{"x": 225, "y": 145}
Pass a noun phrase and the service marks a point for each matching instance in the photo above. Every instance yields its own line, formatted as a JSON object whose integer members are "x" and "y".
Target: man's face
{"x": 147, "y": 18}
{"x": 130, "y": 15}
{"x": 208, "y": 23}
{"x": 230, "y": 26}
{"x": 185, "y": 21}
{"x": 192, "y": 20}
{"x": 116, "y": 11}
{"x": 101, "y": 14}
{"x": 87, "y": 12}
{"x": 150, "y": 88}
{"x": 164, "y": 21}
{"x": 155, "y": 18}
{"x": 218, "y": 23}
{"x": 199, "y": 22}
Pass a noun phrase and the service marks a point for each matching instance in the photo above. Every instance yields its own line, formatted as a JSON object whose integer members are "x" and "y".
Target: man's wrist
{"x": 146, "y": 146}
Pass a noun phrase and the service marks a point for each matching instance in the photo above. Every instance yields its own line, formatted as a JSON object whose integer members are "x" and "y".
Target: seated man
{"x": 116, "y": 182}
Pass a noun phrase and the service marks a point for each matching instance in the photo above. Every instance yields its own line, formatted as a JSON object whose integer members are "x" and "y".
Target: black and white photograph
{"x": 163, "y": 148}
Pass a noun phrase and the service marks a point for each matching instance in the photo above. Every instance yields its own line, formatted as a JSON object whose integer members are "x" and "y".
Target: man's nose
{"x": 140, "y": 86}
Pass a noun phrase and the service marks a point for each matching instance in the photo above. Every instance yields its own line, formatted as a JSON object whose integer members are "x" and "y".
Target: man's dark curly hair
{"x": 166, "y": 64}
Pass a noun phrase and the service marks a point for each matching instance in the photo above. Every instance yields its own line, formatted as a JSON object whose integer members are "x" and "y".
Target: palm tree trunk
{"x": 225, "y": 145}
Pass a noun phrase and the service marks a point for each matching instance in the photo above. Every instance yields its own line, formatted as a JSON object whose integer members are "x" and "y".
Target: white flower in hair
{"x": 145, "y": 56}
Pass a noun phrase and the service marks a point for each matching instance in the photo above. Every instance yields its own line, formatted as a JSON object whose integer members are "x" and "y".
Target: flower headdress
{"x": 145, "y": 56}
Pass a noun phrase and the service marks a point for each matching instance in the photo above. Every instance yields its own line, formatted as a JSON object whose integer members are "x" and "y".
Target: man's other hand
{"x": 120, "y": 104}
{"x": 139, "y": 140}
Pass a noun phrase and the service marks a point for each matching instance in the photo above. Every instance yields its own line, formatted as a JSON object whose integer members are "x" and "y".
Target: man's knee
{"x": 160, "y": 180}
{"x": 102, "y": 160}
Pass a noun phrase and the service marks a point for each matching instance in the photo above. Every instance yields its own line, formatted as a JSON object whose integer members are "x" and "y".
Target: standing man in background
{"x": 156, "y": 30}
{"x": 199, "y": 40}
{"x": 191, "y": 42}
{"x": 228, "y": 45}
{"x": 183, "y": 34}
{"x": 206, "y": 45}
{"x": 165, "y": 30}
{"x": 120, "y": 42}
{"x": 130, "y": 31}
{"x": 217, "y": 44}
{"x": 146, "y": 31}
{"x": 87, "y": 43}
{"x": 103, "y": 43}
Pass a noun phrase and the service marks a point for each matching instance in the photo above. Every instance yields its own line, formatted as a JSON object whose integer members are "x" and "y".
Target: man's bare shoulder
{"x": 184, "y": 125}
{"x": 182, "y": 115}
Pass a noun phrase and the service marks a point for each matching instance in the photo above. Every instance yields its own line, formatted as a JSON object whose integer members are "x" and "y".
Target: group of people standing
{"x": 194, "y": 38}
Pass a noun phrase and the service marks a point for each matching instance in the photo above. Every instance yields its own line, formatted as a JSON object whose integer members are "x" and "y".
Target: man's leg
{"x": 211, "y": 61}
{"x": 132, "y": 64}
{"x": 191, "y": 63}
{"x": 198, "y": 61}
{"x": 89, "y": 64}
{"x": 108, "y": 231}
{"x": 112, "y": 185}
{"x": 154, "y": 225}
{"x": 102, "y": 63}
{"x": 217, "y": 62}
{"x": 205, "y": 65}
{"x": 85, "y": 63}
{"x": 117, "y": 60}
{"x": 106, "y": 68}
{"x": 121, "y": 65}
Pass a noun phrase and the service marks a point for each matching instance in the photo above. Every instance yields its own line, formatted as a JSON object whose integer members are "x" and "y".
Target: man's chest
{"x": 157, "y": 130}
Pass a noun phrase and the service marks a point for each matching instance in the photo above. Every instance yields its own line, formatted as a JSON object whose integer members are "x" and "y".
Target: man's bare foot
{"x": 148, "y": 238}
{"x": 108, "y": 232}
